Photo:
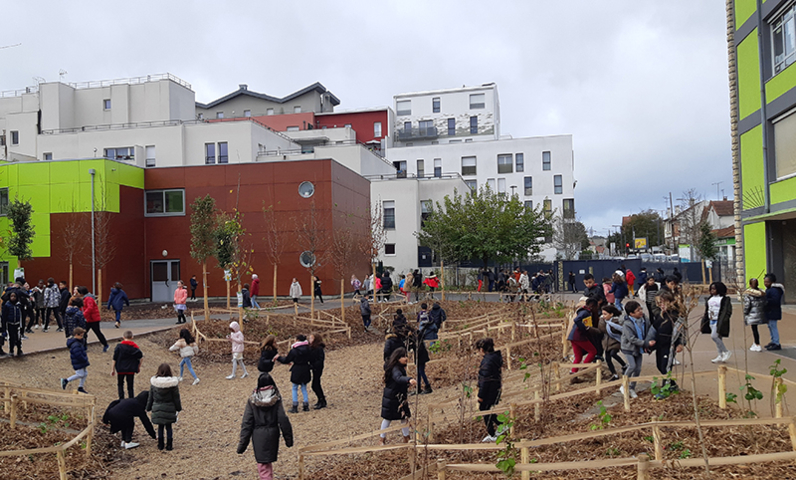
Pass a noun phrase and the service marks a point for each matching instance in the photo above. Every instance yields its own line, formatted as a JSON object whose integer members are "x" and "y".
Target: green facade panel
{"x": 754, "y": 248}
{"x": 744, "y": 9}
{"x": 752, "y": 171}
{"x": 748, "y": 76}
{"x": 781, "y": 83}
{"x": 783, "y": 191}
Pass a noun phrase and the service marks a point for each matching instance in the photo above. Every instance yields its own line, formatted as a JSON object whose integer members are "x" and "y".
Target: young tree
{"x": 21, "y": 233}
{"x": 274, "y": 241}
{"x": 72, "y": 243}
{"x": 341, "y": 253}
{"x": 313, "y": 241}
{"x": 104, "y": 239}
{"x": 371, "y": 244}
{"x": 690, "y": 218}
{"x": 203, "y": 242}
{"x": 706, "y": 246}
{"x": 229, "y": 251}
{"x": 569, "y": 237}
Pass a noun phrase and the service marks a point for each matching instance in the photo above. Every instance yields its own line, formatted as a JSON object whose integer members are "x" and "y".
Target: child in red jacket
{"x": 92, "y": 316}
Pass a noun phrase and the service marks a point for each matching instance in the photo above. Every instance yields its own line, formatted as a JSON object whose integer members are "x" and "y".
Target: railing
{"x": 417, "y": 133}
{"x": 17, "y": 93}
{"x": 311, "y": 150}
{"x": 132, "y": 81}
{"x": 394, "y": 176}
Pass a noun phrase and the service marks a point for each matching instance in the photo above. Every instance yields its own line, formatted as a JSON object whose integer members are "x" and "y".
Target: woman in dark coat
{"x": 300, "y": 372}
{"x": 164, "y": 402}
{"x": 261, "y": 424}
{"x": 394, "y": 405}
{"x": 267, "y": 353}
{"x": 120, "y": 415}
{"x": 317, "y": 357}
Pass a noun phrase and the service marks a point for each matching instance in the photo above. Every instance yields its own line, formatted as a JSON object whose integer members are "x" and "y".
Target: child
{"x": 118, "y": 299}
{"x": 92, "y": 316}
{"x": 364, "y": 310}
{"x": 127, "y": 358}
{"x": 356, "y": 285}
{"x": 13, "y": 323}
{"x": 188, "y": 348}
{"x": 668, "y": 335}
{"x": 490, "y": 383}
{"x": 394, "y": 405}
{"x": 295, "y": 291}
{"x": 194, "y": 284}
{"x": 164, "y": 403}
{"x": 52, "y": 300}
{"x": 300, "y": 356}
{"x": 638, "y": 336}
{"x": 609, "y": 297}
{"x": 267, "y": 353}
{"x": 426, "y": 327}
{"x": 611, "y": 324}
{"x": 236, "y": 337}
{"x": 774, "y": 293}
{"x": 421, "y": 359}
{"x": 120, "y": 415}
{"x": 619, "y": 289}
{"x": 246, "y": 296}
{"x": 263, "y": 419}
{"x": 754, "y": 311}
{"x": 79, "y": 357}
{"x": 73, "y": 316}
{"x": 647, "y": 294}
{"x": 180, "y": 297}
{"x": 316, "y": 285}
{"x": 401, "y": 284}
{"x": 317, "y": 358}
{"x": 716, "y": 320}
{"x": 579, "y": 336}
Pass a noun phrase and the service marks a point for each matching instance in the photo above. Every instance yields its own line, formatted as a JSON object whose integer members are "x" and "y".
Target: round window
{"x": 306, "y": 189}
{"x": 307, "y": 259}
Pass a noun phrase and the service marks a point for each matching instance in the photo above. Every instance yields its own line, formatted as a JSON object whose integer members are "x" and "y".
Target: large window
{"x": 376, "y": 129}
{"x": 150, "y": 156}
{"x": 165, "y": 202}
{"x": 528, "y": 186}
{"x": 548, "y": 206}
{"x": 247, "y": 113}
{"x": 501, "y": 185}
{"x": 223, "y": 152}
{"x": 438, "y": 167}
{"x": 451, "y": 127}
{"x": 425, "y": 127}
{"x": 389, "y": 214}
{"x": 473, "y": 125}
{"x": 421, "y": 168}
{"x": 468, "y": 166}
{"x": 3, "y": 201}
{"x": 435, "y": 104}
{"x": 558, "y": 184}
{"x": 519, "y": 160}
{"x": 490, "y": 182}
{"x": 120, "y": 153}
{"x": 505, "y": 164}
{"x": 472, "y": 184}
{"x": 477, "y": 100}
{"x": 569, "y": 208}
{"x": 783, "y": 39}
{"x": 546, "y": 161}
{"x": 403, "y": 107}
{"x": 210, "y": 153}
{"x": 785, "y": 145}
{"x": 529, "y": 204}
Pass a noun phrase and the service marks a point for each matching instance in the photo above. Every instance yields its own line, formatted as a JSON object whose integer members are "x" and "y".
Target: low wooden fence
{"x": 14, "y": 394}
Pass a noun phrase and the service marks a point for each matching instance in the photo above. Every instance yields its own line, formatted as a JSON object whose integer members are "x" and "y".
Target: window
{"x": 389, "y": 214}
{"x": 14, "y": 137}
{"x": 219, "y": 114}
{"x": 106, "y": 104}
{"x": 528, "y": 186}
{"x": 2, "y": 140}
{"x": 403, "y": 107}
{"x": 505, "y": 164}
{"x": 292, "y": 129}
{"x": 297, "y": 109}
{"x": 165, "y": 202}
{"x": 785, "y": 145}
{"x": 247, "y": 113}
{"x": 435, "y": 105}
{"x": 456, "y": 141}
{"x": 421, "y": 171}
{"x": 558, "y": 185}
{"x": 569, "y": 208}
{"x": 3, "y": 201}
{"x": 529, "y": 204}
{"x": 307, "y": 259}
{"x": 150, "y": 156}
{"x": 438, "y": 167}
{"x": 451, "y": 127}
{"x": 468, "y": 166}
{"x": 783, "y": 39}
{"x": 269, "y": 111}
{"x": 48, "y": 156}
{"x": 120, "y": 153}
{"x": 519, "y": 161}
{"x": 490, "y": 182}
{"x": 223, "y": 154}
{"x": 389, "y": 249}
{"x": 468, "y": 140}
{"x": 400, "y": 168}
{"x": 426, "y": 127}
{"x": 306, "y": 189}
{"x": 545, "y": 160}
{"x": 347, "y": 125}
{"x": 425, "y": 210}
{"x": 473, "y": 125}
{"x": 210, "y": 153}
{"x": 472, "y": 184}
{"x": 376, "y": 129}
{"x": 501, "y": 185}
{"x": 477, "y": 100}
{"x": 548, "y": 206}
{"x": 408, "y": 127}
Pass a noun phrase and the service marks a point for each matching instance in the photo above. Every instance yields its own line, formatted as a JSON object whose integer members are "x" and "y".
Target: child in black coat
{"x": 300, "y": 372}
{"x": 121, "y": 414}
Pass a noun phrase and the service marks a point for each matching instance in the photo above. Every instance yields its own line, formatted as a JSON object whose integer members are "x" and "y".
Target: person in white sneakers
{"x": 236, "y": 337}
{"x": 121, "y": 414}
{"x": 188, "y": 348}
{"x": 754, "y": 311}
{"x": 716, "y": 320}
{"x": 638, "y": 337}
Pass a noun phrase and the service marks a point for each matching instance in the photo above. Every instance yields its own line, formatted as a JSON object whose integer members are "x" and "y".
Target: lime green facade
{"x": 64, "y": 187}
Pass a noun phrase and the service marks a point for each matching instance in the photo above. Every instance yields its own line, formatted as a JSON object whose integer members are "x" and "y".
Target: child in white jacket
{"x": 236, "y": 337}
{"x": 188, "y": 348}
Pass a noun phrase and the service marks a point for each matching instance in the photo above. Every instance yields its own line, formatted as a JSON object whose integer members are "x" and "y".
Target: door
{"x": 164, "y": 275}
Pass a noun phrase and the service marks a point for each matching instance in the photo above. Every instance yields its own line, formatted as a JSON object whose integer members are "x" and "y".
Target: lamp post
{"x": 92, "y": 172}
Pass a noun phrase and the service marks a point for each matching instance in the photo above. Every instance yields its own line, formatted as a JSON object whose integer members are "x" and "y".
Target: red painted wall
{"x": 361, "y": 122}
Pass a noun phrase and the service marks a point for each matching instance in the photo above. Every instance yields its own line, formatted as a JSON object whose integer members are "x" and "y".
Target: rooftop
{"x": 243, "y": 89}
{"x": 463, "y": 88}
{"x": 103, "y": 83}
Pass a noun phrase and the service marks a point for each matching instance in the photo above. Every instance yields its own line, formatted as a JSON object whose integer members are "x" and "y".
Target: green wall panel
{"x": 64, "y": 197}
{"x": 34, "y": 173}
{"x": 744, "y": 9}
{"x": 754, "y": 248}
{"x": 783, "y": 191}
{"x": 781, "y": 83}
{"x": 37, "y": 195}
{"x": 748, "y": 76}
{"x": 65, "y": 172}
{"x": 752, "y": 171}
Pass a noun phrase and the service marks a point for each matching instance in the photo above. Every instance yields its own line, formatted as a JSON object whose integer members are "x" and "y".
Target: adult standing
{"x": 52, "y": 301}
{"x": 255, "y": 290}
{"x": 572, "y": 282}
{"x": 317, "y": 358}
{"x": 774, "y": 293}
{"x": 92, "y": 315}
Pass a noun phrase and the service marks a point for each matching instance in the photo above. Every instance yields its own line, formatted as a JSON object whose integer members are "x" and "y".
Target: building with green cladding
{"x": 762, "y": 39}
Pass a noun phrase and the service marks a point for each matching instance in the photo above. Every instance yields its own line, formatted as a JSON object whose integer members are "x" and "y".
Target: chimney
{"x": 725, "y": 198}
{"x": 243, "y": 86}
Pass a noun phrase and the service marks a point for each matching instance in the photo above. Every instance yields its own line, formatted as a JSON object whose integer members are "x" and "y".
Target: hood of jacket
{"x": 235, "y": 327}
{"x": 142, "y": 398}
{"x": 71, "y": 341}
{"x": 778, "y": 285}
{"x": 300, "y": 344}
{"x": 436, "y": 307}
{"x": 754, "y": 292}
{"x": 495, "y": 358}
{"x": 114, "y": 290}
{"x": 164, "y": 382}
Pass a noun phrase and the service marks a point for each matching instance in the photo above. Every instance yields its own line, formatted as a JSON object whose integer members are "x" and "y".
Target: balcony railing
{"x": 417, "y": 133}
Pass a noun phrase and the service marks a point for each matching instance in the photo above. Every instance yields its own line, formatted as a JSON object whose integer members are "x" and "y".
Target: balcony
{"x": 417, "y": 133}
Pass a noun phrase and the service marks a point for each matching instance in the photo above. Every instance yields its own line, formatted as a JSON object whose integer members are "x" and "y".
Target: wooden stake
{"x": 7, "y": 399}
{"x": 513, "y": 331}
{"x": 61, "y": 464}
{"x": 71, "y": 270}
{"x": 656, "y": 439}
{"x": 557, "y": 374}
{"x": 301, "y": 466}
{"x": 778, "y": 404}
{"x": 537, "y": 407}
{"x": 430, "y": 424}
{"x": 525, "y": 459}
{"x": 513, "y": 413}
{"x": 643, "y": 467}
{"x": 792, "y": 432}
{"x": 508, "y": 356}
{"x": 13, "y": 417}
{"x": 626, "y": 390}
{"x": 90, "y": 437}
{"x": 227, "y": 282}
{"x": 722, "y": 387}
{"x": 441, "y": 468}
{"x": 599, "y": 378}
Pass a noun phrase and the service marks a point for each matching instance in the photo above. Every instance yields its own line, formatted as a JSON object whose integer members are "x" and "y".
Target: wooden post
{"x": 513, "y": 413}
{"x": 90, "y": 437}
{"x": 525, "y": 459}
{"x": 722, "y": 387}
{"x": 626, "y": 391}
{"x": 643, "y": 467}
{"x": 599, "y": 378}
{"x": 430, "y": 424}
{"x": 537, "y": 407}
{"x": 441, "y": 469}
{"x": 61, "y": 464}
{"x": 792, "y": 432}
{"x": 301, "y": 466}
{"x": 204, "y": 290}
{"x": 508, "y": 356}
{"x": 7, "y": 399}
{"x": 557, "y": 374}
{"x": 656, "y": 439}
{"x": 348, "y": 329}
{"x": 13, "y": 416}
{"x": 778, "y": 404}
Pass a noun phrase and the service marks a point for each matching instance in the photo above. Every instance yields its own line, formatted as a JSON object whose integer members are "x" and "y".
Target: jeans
{"x": 633, "y": 366}
{"x": 187, "y": 361}
{"x": 254, "y": 302}
{"x": 421, "y": 377}
{"x": 366, "y": 320}
{"x": 491, "y": 421}
{"x": 772, "y": 327}
{"x": 618, "y": 303}
{"x": 120, "y": 379}
{"x": 303, "y": 392}
{"x": 714, "y": 335}
{"x": 118, "y": 315}
{"x": 81, "y": 374}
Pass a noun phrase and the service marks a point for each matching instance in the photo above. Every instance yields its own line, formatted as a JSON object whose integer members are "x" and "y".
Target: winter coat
{"x": 236, "y": 337}
{"x": 659, "y": 276}
{"x": 356, "y": 284}
{"x": 596, "y": 292}
{"x": 427, "y": 328}
{"x": 194, "y": 283}
{"x": 437, "y": 315}
{"x": 664, "y": 324}
{"x": 317, "y": 358}
{"x": 609, "y": 297}
{"x": 164, "y": 400}
{"x": 185, "y": 349}
{"x": 490, "y": 376}
{"x": 642, "y": 277}
{"x": 73, "y": 318}
{"x": 52, "y": 296}
{"x": 677, "y": 275}
{"x": 12, "y": 314}
{"x": 611, "y": 342}
{"x": 180, "y": 296}
{"x": 619, "y": 290}
{"x": 317, "y": 287}
{"x": 645, "y": 294}
{"x": 77, "y": 353}
{"x": 391, "y": 344}
{"x": 247, "y": 298}
{"x": 295, "y": 290}
{"x": 393, "y": 401}
{"x": 417, "y": 280}
{"x": 255, "y": 287}
{"x": 631, "y": 343}
{"x": 631, "y": 279}
{"x": 774, "y": 296}
{"x": 120, "y": 414}
{"x": 754, "y": 307}
{"x": 299, "y": 355}
{"x": 421, "y": 354}
{"x": 400, "y": 326}
{"x": 262, "y": 425}
{"x": 364, "y": 306}
{"x": 127, "y": 357}
{"x": 723, "y": 323}
{"x": 581, "y": 324}
{"x": 65, "y": 297}
{"x": 38, "y": 297}
{"x": 432, "y": 282}
{"x": 118, "y": 299}
{"x": 386, "y": 284}
{"x": 90, "y": 310}
{"x": 266, "y": 362}
{"x": 22, "y": 296}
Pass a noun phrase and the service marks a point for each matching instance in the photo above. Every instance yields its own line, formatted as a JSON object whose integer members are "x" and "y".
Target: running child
{"x": 79, "y": 358}
{"x": 237, "y": 339}
{"x": 188, "y": 348}
{"x": 638, "y": 337}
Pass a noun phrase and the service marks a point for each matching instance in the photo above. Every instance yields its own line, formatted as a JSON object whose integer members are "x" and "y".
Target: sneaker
{"x": 622, "y": 390}
{"x": 81, "y": 390}
{"x": 755, "y": 348}
{"x": 633, "y": 393}
{"x": 488, "y": 439}
{"x": 245, "y": 374}
{"x": 230, "y": 377}
{"x": 718, "y": 359}
{"x": 19, "y": 352}
{"x": 35, "y": 327}
{"x": 130, "y": 445}
{"x": 614, "y": 377}
{"x": 105, "y": 348}
{"x": 195, "y": 382}
{"x": 123, "y": 444}
{"x": 773, "y": 347}
{"x": 45, "y": 330}
{"x": 676, "y": 362}
{"x": 60, "y": 329}
{"x": 769, "y": 345}
{"x": 64, "y": 383}
{"x": 726, "y": 356}
{"x": 24, "y": 337}
{"x": 179, "y": 378}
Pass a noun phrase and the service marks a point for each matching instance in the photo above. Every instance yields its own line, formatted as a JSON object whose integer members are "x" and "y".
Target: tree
{"x": 312, "y": 240}
{"x": 203, "y": 241}
{"x": 486, "y": 226}
{"x": 706, "y": 246}
{"x": 341, "y": 254}
{"x": 646, "y": 224}
{"x": 690, "y": 218}
{"x": 72, "y": 243}
{"x": 21, "y": 233}
{"x": 371, "y": 244}
{"x": 230, "y": 252}
{"x": 274, "y": 242}
{"x": 104, "y": 239}
{"x": 569, "y": 237}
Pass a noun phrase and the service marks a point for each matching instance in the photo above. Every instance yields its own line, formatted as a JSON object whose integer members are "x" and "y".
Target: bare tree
{"x": 342, "y": 254}
{"x": 690, "y": 218}
{"x": 313, "y": 241}
{"x": 72, "y": 244}
{"x": 371, "y": 244}
{"x": 569, "y": 236}
{"x": 104, "y": 239}
{"x": 274, "y": 241}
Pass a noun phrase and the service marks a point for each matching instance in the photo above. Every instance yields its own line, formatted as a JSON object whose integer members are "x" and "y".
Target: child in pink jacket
{"x": 180, "y": 297}
{"x": 236, "y": 337}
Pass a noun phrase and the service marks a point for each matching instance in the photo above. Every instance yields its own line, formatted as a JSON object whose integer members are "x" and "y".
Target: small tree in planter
{"x": 203, "y": 226}
{"x": 21, "y": 233}
{"x": 72, "y": 242}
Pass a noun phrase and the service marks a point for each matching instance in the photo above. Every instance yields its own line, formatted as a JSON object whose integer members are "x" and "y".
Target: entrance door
{"x": 164, "y": 275}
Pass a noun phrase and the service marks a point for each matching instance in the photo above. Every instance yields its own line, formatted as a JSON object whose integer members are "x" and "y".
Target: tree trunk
{"x": 442, "y": 278}
{"x": 342, "y": 299}
{"x": 98, "y": 293}
{"x": 312, "y": 295}
{"x": 227, "y": 281}
{"x": 240, "y": 309}
{"x": 275, "y": 302}
{"x": 71, "y": 271}
{"x": 204, "y": 289}
{"x": 703, "y": 271}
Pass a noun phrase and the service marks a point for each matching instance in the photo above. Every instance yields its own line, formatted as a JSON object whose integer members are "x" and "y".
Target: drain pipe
{"x": 91, "y": 172}
{"x": 763, "y": 112}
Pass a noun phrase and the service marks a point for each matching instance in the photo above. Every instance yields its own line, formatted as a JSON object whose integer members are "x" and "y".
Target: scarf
{"x": 299, "y": 344}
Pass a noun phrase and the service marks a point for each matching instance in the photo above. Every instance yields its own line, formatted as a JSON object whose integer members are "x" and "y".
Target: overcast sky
{"x": 641, "y": 85}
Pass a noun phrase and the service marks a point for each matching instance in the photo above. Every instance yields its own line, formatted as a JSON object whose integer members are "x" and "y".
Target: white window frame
{"x": 292, "y": 128}
{"x": 106, "y": 104}
{"x": 47, "y": 156}
{"x": 389, "y": 205}
{"x": 558, "y": 184}
{"x": 208, "y": 157}
{"x": 519, "y": 162}
{"x": 436, "y": 105}
{"x": 14, "y": 137}
{"x": 150, "y": 156}
{"x": 474, "y": 166}
{"x": 405, "y": 103}
{"x": 528, "y": 190}
{"x": 438, "y": 164}
{"x": 376, "y": 129}
{"x": 506, "y": 161}
{"x": 219, "y": 114}
{"x": 4, "y": 202}
{"x": 786, "y": 15}
{"x": 117, "y": 156}
{"x": 473, "y": 184}
{"x": 477, "y": 101}
{"x": 421, "y": 168}
{"x": 247, "y": 113}
{"x": 269, "y": 111}
{"x": 547, "y": 161}
{"x": 164, "y": 213}
{"x": 394, "y": 250}
{"x": 297, "y": 109}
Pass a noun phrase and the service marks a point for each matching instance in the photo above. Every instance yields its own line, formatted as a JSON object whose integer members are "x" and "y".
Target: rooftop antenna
{"x": 38, "y": 80}
{"x": 717, "y": 189}
{"x": 62, "y": 73}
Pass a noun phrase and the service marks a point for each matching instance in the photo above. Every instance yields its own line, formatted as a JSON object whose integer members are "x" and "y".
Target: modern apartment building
{"x": 763, "y": 89}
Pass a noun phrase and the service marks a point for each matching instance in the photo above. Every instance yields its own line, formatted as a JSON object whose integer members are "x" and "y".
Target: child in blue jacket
{"x": 79, "y": 357}
{"x": 117, "y": 300}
